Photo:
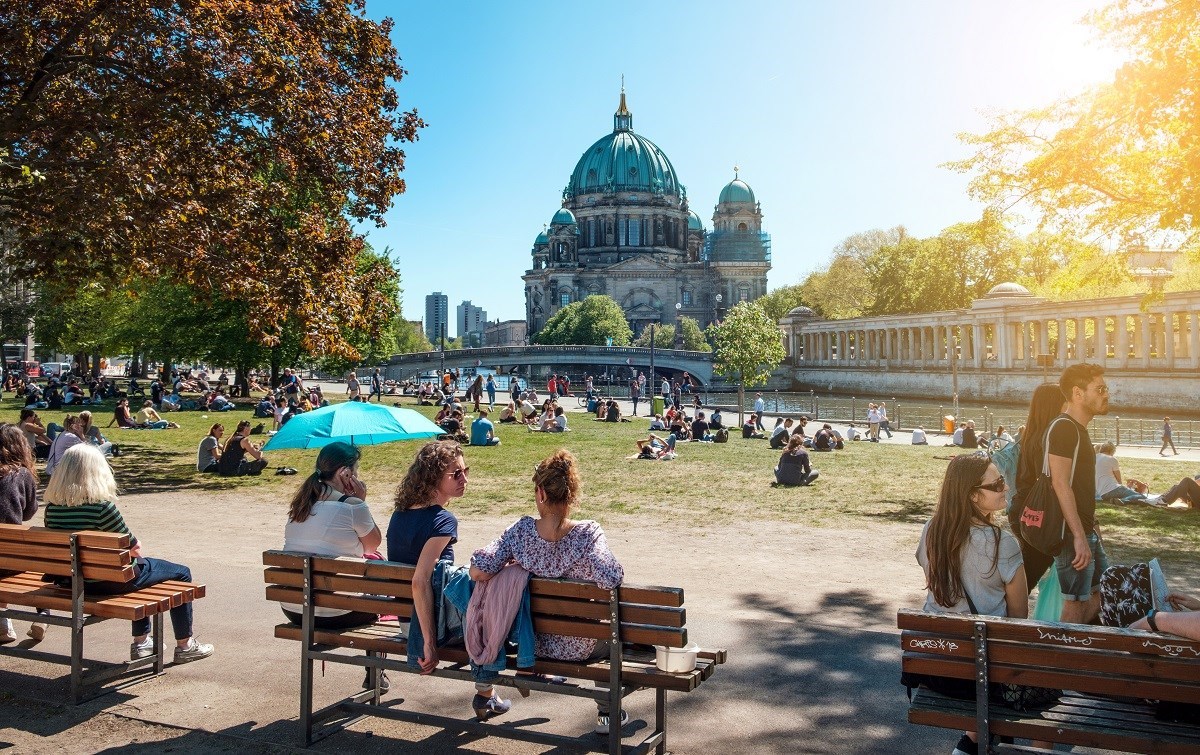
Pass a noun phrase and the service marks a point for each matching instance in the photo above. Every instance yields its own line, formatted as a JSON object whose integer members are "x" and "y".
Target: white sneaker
{"x": 603, "y": 718}
{"x": 143, "y": 649}
{"x": 1155, "y": 500}
{"x": 193, "y": 652}
{"x": 7, "y": 632}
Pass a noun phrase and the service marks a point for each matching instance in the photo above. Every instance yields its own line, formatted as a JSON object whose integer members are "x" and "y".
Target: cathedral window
{"x": 635, "y": 232}
{"x": 687, "y": 298}
{"x": 743, "y": 293}
{"x": 742, "y": 227}
{"x": 564, "y": 298}
{"x": 591, "y": 232}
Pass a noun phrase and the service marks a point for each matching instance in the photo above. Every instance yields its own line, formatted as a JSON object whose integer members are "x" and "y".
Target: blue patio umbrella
{"x": 353, "y": 422}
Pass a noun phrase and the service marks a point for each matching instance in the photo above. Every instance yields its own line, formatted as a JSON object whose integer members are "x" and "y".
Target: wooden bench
{"x": 32, "y": 552}
{"x": 1108, "y": 674}
{"x": 625, "y": 616}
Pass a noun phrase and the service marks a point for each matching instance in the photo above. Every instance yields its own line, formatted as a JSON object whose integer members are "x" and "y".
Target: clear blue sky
{"x": 838, "y": 114}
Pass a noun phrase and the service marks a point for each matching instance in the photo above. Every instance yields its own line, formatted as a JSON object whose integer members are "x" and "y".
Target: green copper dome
{"x": 623, "y": 161}
{"x": 736, "y": 191}
{"x": 542, "y": 238}
{"x": 563, "y": 217}
{"x": 694, "y": 221}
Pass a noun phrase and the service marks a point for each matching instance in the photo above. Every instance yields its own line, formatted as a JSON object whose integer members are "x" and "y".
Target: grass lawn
{"x": 709, "y": 483}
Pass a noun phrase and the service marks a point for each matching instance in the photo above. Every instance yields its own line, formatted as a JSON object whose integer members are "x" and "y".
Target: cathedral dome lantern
{"x": 563, "y": 217}
{"x": 624, "y": 161}
{"x": 737, "y": 191}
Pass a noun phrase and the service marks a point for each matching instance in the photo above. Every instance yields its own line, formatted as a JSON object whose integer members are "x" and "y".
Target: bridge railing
{"x": 512, "y": 351}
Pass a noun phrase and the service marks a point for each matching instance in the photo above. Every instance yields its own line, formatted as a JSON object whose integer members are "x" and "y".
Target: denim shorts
{"x": 1075, "y": 584}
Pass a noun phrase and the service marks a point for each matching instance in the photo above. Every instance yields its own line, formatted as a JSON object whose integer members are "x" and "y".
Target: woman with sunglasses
{"x": 422, "y": 532}
{"x": 972, "y": 565}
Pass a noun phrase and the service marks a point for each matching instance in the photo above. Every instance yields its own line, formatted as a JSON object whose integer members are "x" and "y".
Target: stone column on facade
{"x": 1123, "y": 341}
{"x": 1101, "y": 340}
{"x": 978, "y": 347}
{"x": 1169, "y": 338}
{"x": 1143, "y": 343}
{"x": 1194, "y": 338}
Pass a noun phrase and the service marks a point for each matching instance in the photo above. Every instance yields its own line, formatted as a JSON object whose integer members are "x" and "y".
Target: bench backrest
{"x": 102, "y": 555}
{"x": 647, "y": 615}
{"x": 1097, "y": 660}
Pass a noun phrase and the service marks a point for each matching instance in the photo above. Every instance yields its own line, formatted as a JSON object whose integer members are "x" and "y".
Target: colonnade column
{"x": 1101, "y": 340}
{"x": 1143, "y": 344}
{"x": 1194, "y": 338}
{"x": 1169, "y": 337}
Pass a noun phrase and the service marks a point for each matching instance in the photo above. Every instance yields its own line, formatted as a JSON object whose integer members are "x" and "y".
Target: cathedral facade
{"x": 625, "y": 230}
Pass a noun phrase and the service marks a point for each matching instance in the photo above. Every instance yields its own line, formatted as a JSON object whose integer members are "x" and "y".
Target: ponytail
{"x": 332, "y": 458}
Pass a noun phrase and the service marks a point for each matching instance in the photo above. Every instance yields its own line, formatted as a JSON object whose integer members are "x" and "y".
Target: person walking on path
{"x": 490, "y": 387}
{"x": 760, "y": 406}
{"x": 1166, "y": 438}
{"x": 635, "y": 394}
{"x": 376, "y": 386}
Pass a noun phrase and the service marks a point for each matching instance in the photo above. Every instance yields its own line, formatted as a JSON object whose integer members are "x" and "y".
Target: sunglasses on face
{"x": 461, "y": 474}
{"x": 996, "y": 486}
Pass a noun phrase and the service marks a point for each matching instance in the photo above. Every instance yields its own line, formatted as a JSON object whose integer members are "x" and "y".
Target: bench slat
{"x": 1068, "y": 635}
{"x": 383, "y": 639}
{"x": 1101, "y": 683}
{"x": 63, "y": 569}
{"x": 20, "y": 533}
{"x": 391, "y": 571}
{"x": 56, "y": 552}
{"x": 364, "y": 603}
{"x": 337, "y": 583}
{"x": 28, "y": 590}
{"x": 1048, "y": 656}
{"x": 1073, "y": 723}
{"x": 631, "y": 613}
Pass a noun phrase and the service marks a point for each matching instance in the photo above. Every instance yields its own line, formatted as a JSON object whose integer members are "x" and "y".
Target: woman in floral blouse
{"x": 554, "y": 545}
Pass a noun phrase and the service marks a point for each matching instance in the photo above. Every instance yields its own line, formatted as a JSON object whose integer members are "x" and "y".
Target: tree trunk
{"x": 135, "y": 365}
{"x": 741, "y": 400}
{"x": 242, "y": 379}
{"x": 96, "y": 363}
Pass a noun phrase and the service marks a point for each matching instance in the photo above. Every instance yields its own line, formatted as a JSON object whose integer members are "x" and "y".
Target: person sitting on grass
{"x": 483, "y": 432}
{"x": 508, "y": 415}
{"x": 716, "y": 421}
{"x": 215, "y": 402}
{"x": 614, "y": 412}
{"x": 152, "y": 421}
{"x": 853, "y": 433}
{"x": 529, "y": 413}
{"x": 265, "y": 408}
{"x": 82, "y": 495}
{"x": 232, "y": 461}
{"x": 68, "y": 437}
{"x": 750, "y": 428}
{"x": 918, "y": 437}
{"x": 208, "y": 455}
{"x": 35, "y": 433}
{"x": 1109, "y": 485}
{"x": 824, "y": 440}
{"x": 700, "y": 429}
{"x": 92, "y": 434}
{"x": 656, "y": 423}
{"x": 794, "y": 467}
{"x": 1186, "y": 490}
{"x": 781, "y": 433}
{"x": 553, "y": 423}
{"x": 122, "y": 417}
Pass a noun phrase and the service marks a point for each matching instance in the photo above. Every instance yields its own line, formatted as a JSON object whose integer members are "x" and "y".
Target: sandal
{"x": 536, "y": 677}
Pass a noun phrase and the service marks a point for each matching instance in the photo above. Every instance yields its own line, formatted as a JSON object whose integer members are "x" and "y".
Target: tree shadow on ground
{"x": 150, "y": 470}
{"x": 826, "y": 685}
{"x": 902, "y": 512}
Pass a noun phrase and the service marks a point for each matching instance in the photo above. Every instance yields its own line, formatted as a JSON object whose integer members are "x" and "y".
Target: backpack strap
{"x": 1046, "y": 450}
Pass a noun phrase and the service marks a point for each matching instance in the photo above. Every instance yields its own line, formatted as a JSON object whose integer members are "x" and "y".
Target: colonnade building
{"x": 1003, "y": 345}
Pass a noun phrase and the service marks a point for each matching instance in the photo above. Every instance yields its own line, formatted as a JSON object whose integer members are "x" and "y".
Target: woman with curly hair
{"x": 972, "y": 565}
{"x": 422, "y": 532}
{"x": 556, "y": 546}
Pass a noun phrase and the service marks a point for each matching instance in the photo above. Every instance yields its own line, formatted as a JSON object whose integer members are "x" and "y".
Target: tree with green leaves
{"x": 590, "y": 322}
{"x": 748, "y": 346}
{"x": 664, "y": 336}
{"x": 1120, "y": 161}
{"x": 227, "y": 145}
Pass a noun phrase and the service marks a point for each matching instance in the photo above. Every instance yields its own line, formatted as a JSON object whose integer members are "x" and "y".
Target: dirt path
{"x": 807, "y": 615}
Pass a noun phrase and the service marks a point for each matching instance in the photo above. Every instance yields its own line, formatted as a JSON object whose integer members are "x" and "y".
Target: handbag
{"x": 1042, "y": 524}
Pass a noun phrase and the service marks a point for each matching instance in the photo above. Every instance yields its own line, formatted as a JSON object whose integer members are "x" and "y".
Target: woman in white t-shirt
{"x": 972, "y": 565}
{"x": 328, "y": 517}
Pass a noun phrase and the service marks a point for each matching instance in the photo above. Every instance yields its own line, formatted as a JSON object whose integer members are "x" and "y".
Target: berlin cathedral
{"x": 625, "y": 230}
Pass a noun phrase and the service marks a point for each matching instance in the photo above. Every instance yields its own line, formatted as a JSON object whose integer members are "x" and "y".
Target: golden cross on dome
{"x": 735, "y": 172}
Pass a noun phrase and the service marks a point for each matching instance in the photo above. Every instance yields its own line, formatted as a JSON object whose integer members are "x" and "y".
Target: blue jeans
{"x": 1075, "y": 584}
{"x": 151, "y": 571}
{"x": 1122, "y": 494}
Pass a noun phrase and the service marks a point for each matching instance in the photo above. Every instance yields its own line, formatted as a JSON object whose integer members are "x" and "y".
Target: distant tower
{"x": 437, "y": 316}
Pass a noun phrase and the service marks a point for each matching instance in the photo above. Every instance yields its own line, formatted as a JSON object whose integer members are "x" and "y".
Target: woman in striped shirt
{"x": 82, "y": 495}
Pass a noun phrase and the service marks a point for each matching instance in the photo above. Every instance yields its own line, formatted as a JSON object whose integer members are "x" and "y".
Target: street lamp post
{"x": 717, "y": 311}
{"x": 678, "y": 327}
{"x": 651, "y": 385}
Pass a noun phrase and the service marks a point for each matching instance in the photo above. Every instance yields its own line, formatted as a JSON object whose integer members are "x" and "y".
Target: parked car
{"x": 55, "y": 369}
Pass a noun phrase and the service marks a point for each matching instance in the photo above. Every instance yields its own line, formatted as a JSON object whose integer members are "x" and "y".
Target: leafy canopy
{"x": 1121, "y": 160}
{"x": 590, "y": 322}
{"x": 748, "y": 345}
{"x": 226, "y": 145}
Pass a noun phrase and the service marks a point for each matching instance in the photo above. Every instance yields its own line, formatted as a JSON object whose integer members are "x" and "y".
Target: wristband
{"x": 1150, "y": 620}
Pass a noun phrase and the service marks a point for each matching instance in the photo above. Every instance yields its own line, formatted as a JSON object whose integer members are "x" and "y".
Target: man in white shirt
{"x": 918, "y": 438}
{"x": 759, "y": 407}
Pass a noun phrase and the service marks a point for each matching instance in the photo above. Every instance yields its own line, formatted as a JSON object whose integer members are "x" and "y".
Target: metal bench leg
{"x": 76, "y": 624}
{"x": 306, "y": 664}
{"x": 614, "y": 678}
{"x": 660, "y": 720}
{"x": 158, "y": 643}
{"x": 982, "y": 710}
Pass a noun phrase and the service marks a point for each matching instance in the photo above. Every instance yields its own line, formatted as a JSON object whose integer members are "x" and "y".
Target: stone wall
{"x": 1130, "y": 390}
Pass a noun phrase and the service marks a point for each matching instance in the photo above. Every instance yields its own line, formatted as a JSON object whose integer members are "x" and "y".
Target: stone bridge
{"x": 570, "y": 359}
